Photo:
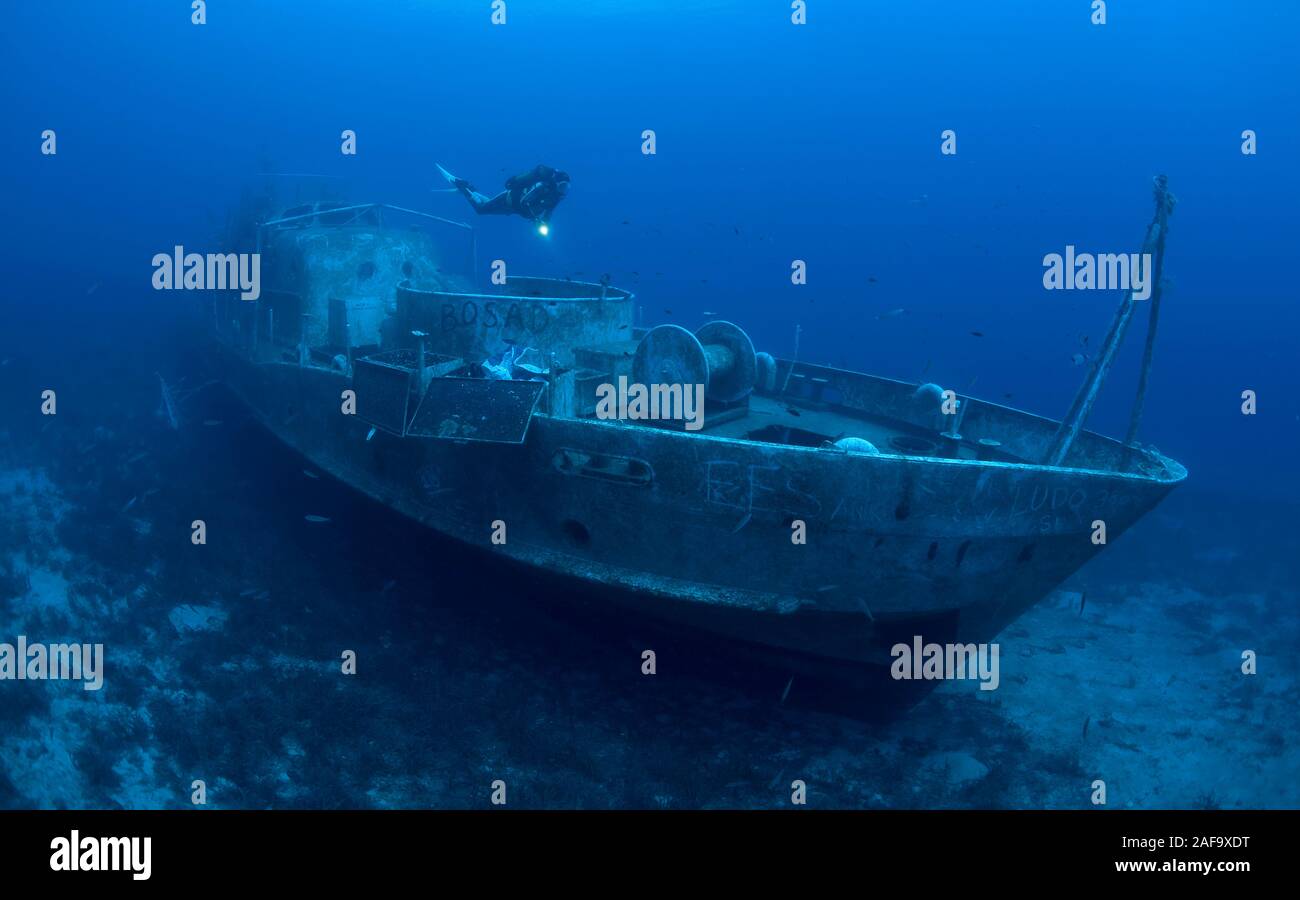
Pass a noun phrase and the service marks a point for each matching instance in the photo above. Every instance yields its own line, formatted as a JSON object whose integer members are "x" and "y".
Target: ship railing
{"x": 357, "y": 210}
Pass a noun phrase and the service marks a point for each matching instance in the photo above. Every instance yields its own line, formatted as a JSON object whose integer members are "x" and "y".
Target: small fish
{"x": 892, "y": 313}
{"x": 311, "y": 474}
{"x": 977, "y": 334}
{"x": 871, "y": 279}
{"x": 130, "y": 503}
{"x": 1006, "y": 396}
{"x": 316, "y": 519}
{"x": 211, "y": 423}
{"x": 135, "y": 459}
{"x": 626, "y": 222}
{"x": 1085, "y": 725}
{"x": 621, "y": 327}
{"x": 743, "y": 523}
{"x": 736, "y": 228}
{"x": 1083, "y": 600}
{"x": 388, "y": 586}
{"x": 709, "y": 314}
{"x": 248, "y": 592}
{"x": 4, "y": 362}
{"x": 371, "y": 432}
{"x": 792, "y": 411}
{"x": 786, "y": 693}
{"x": 828, "y": 587}
{"x": 1079, "y": 359}
{"x": 90, "y": 290}
{"x": 668, "y": 312}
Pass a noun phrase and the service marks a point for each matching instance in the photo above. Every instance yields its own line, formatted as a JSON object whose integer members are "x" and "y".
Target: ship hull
{"x": 824, "y": 556}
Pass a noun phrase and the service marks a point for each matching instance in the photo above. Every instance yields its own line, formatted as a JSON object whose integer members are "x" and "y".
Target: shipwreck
{"x": 820, "y": 513}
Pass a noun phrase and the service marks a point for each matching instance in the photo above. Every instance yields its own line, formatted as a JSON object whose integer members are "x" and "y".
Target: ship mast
{"x": 1086, "y": 396}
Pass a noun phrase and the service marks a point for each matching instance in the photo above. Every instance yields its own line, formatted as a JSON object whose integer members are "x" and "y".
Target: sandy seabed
{"x": 228, "y": 671}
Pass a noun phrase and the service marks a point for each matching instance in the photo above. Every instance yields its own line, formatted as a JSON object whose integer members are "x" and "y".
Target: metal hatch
{"x": 476, "y": 409}
{"x": 387, "y": 382}
{"x": 383, "y": 387}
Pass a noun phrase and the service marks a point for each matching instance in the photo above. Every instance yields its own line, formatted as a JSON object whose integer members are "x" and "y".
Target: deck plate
{"x": 476, "y": 409}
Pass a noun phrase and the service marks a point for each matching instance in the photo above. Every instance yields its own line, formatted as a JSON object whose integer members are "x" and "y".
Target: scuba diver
{"x": 533, "y": 195}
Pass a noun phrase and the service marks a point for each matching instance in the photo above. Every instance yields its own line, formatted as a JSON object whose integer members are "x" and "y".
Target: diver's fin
{"x": 451, "y": 179}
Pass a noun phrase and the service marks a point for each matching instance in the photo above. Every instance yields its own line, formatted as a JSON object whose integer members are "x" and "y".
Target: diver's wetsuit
{"x": 533, "y": 195}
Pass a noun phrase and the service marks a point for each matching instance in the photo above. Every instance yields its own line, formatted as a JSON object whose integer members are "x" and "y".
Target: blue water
{"x": 775, "y": 142}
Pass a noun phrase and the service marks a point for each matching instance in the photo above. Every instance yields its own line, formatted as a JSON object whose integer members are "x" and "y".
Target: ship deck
{"x": 797, "y": 422}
